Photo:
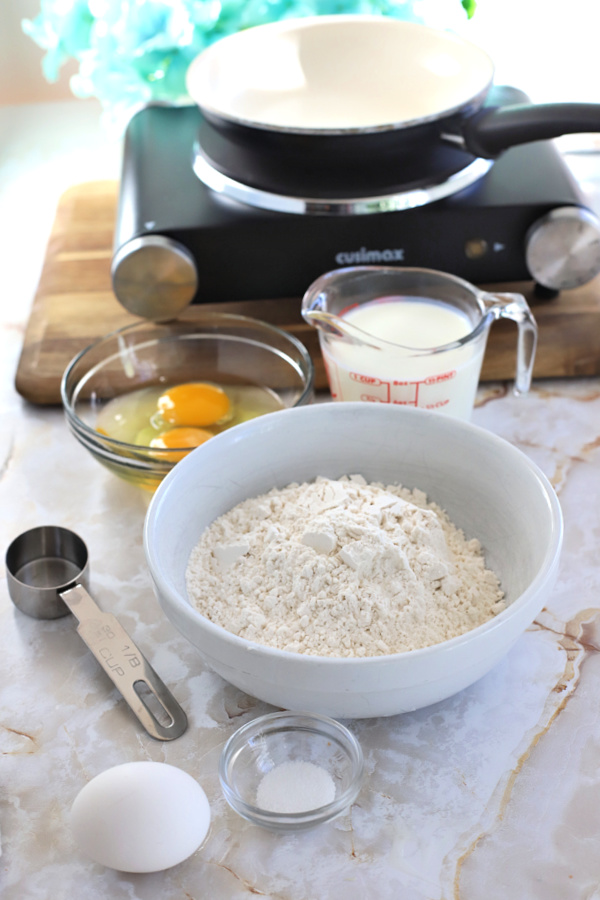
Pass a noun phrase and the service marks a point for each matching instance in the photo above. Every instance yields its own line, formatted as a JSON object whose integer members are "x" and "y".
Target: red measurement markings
{"x": 408, "y": 384}
{"x": 433, "y": 379}
{"x": 437, "y": 405}
{"x": 365, "y": 379}
{"x": 419, "y": 385}
{"x": 370, "y": 381}
{"x": 331, "y": 371}
{"x": 436, "y": 379}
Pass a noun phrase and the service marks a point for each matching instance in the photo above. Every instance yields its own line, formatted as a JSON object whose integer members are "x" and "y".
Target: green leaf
{"x": 469, "y": 6}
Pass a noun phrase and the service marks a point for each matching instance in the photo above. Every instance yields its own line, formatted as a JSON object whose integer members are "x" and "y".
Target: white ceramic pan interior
{"x": 338, "y": 73}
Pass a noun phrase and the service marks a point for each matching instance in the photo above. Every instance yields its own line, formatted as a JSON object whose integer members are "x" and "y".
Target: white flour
{"x": 341, "y": 568}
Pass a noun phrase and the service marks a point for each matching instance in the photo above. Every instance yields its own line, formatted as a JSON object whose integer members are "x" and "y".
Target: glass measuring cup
{"x": 411, "y": 336}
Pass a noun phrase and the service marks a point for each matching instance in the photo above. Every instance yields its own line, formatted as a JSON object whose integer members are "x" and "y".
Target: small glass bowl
{"x": 263, "y": 744}
{"x": 201, "y": 345}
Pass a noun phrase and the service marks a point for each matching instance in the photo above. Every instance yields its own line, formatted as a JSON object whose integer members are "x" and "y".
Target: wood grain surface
{"x": 74, "y": 305}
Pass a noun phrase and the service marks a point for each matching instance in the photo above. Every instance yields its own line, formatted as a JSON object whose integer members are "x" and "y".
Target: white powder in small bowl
{"x": 295, "y": 787}
{"x": 341, "y": 568}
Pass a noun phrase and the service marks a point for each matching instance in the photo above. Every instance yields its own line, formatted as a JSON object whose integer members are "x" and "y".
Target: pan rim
{"x": 202, "y": 92}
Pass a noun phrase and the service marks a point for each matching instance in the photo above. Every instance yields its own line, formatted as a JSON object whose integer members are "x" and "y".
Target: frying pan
{"x": 356, "y": 91}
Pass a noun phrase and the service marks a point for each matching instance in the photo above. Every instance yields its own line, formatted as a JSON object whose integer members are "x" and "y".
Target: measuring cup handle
{"x": 516, "y": 308}
{"x": 126, "y": 666}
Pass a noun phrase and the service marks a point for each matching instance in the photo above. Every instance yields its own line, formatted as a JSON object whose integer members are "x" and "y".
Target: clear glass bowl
{"x": 235, "y": 352}
{"x": 255, "y": 763}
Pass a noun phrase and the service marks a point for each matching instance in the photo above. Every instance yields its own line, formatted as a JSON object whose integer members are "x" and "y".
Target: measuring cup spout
{"x": 324, "y": 321}
{"x": 334, "y": 326}
{"x": 516, "y": 308}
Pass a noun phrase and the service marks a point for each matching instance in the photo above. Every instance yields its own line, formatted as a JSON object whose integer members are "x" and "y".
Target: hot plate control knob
{"x": 562, "y": 249}
{"x": 154, "y": 276}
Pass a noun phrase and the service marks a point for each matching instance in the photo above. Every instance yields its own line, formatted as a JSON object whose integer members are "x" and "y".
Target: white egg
{"x": 140, "y": 817}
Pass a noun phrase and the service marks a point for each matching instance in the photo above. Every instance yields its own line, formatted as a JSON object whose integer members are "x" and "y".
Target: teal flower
{"x": 131, "y": 52}
{"x": 63, "y": 29}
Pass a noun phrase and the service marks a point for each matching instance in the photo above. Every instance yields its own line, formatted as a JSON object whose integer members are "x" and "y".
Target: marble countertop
{"x": 492, "y": 793}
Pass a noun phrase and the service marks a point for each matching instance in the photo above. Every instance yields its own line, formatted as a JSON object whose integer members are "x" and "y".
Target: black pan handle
{"x": 492, "y": 130}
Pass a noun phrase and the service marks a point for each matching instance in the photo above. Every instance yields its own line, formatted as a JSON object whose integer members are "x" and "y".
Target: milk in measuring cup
{"x": 403, "y": 368}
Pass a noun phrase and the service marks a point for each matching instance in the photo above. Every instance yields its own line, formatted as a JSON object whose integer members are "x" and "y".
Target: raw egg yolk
{"x": 180, "y": 438}
{"x": 194, "y": 403}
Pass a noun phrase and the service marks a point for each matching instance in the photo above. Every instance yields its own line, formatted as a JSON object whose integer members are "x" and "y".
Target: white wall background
{"x": 21, "y": 79}
{"x": 549, "y": 48}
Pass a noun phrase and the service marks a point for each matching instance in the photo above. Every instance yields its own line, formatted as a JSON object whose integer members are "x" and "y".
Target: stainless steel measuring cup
{"x": 48, "y": 574}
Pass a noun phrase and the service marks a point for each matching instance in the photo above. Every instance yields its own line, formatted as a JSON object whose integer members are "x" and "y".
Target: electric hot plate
{"x": 189, "y": 232}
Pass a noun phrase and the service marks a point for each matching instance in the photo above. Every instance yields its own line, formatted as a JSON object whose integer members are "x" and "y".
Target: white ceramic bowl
{"x": 488, "y": 487}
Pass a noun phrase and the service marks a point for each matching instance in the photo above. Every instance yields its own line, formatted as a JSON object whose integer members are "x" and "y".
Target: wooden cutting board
{"x": 74, "y": 305}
